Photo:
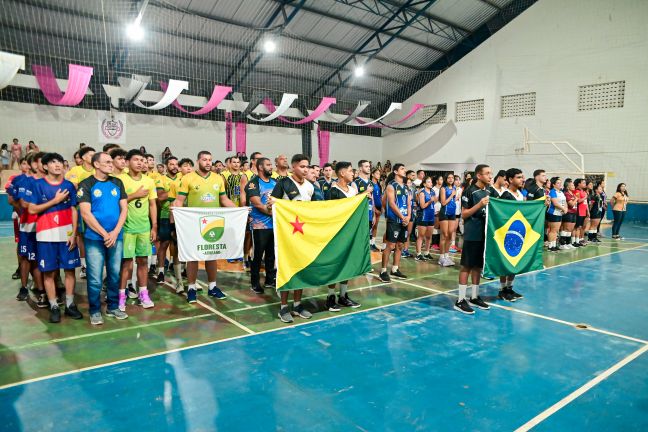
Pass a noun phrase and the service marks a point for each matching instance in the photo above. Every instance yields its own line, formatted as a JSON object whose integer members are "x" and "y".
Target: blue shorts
{"x": 55, "y": 255}
{"x": 27, "y": 245}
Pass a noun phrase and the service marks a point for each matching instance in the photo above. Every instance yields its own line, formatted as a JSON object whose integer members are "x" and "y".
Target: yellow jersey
{"x": 137, "y": 221}
{"x": 77, "y": 174}
{"x": 164, "y": 183}
{"x": 202, "y": 191}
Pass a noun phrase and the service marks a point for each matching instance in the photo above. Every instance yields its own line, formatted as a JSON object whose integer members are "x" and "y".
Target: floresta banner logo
{"x": 211, "y": 230}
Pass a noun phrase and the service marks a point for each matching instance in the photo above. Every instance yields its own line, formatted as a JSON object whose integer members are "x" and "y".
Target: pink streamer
{"x": 321, "y": 108}
{"x": 323, "y": 145}
{"x": 78, "y": 81}
{"x": 228, "y": 131}
{"x": 416, "y": 108}
{"x": 241, "y": 137}
{"x": 218, "y": 95}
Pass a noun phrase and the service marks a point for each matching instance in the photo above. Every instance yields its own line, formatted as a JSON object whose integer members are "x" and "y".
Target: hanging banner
{"x": 323, "y": 145}
{"x": 392, "y": 107}
{"x": 286, "y": 101}
{"x": 241, "y": 137}
{"x": 208, "y": 234}
{"x": 170, "y": 94}
{"x": 9, "y": 66}
{"x": 78, "y": 82}
{"x": 112, "y": 127}
{"x": 228, "y": 131}
{"x": 218, "y": 96}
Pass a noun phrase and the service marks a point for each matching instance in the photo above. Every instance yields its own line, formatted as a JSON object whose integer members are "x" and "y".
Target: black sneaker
{"x": 16, "y": 274}
{"x": 577, "y": 245}
{"x": 516, "y": 295}
{"x": 257, "y": 289}
{"x": 463, "y": 307}
{"x": 347, "y": 302}
{"x": 506, "y": 295}
{"x": 41, "y": 300}
{"x": 398, "y": 275}
{"x": 428, "y": 257}
{"x": 384, "y": 276}
{"x": 419, "y": 257}
{"x": 55, "y": 314}
{"x": 270, "y": 284}
{"x": 479, "y": 303}
{"x": 152, "y": 269}
{"x": 73, "y": 312}
{"x": 184, "y": 273}
{"x": 131, "y": 291}
{"x": 160, "y": 278}
{"x": 331, "y": 305}
{"x": 23, "y": 294}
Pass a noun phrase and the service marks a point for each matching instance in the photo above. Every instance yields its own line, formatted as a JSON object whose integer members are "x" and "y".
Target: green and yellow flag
{"x": 514, "y": 237}
{"x": 321, "y": 242}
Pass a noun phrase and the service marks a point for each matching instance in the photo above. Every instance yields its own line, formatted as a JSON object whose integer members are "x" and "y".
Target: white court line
{"x": 225, "y": 317}
{"x": 117, "y": 362}
{"x": 579, "y": 392}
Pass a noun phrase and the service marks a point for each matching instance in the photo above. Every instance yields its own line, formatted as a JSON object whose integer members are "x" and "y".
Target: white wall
{"x": 61, "y": 129}
{"x": 550, "y": 49}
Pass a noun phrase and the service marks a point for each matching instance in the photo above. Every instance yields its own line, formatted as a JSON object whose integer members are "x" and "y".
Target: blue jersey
{"x": 55, "y": 223}
{"x": 450, "y": 209}
{"x": 362, "y": 186}
{"x": 427, "y": 214}
{"x": 262, "y": 189}
{"x": 560, "y": 196}
{"x": 401, "y": 194}
{"x": 377, "y": 195}
{"x": 104, "y": 198}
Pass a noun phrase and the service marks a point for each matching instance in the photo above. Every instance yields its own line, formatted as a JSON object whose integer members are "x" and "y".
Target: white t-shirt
{"x": 437, "y": 204}
{"x": 519, "y": 195}
{"x": 353, "y": 189}
{"x": 306, "y": 191}
{"x": 457, "y": 199}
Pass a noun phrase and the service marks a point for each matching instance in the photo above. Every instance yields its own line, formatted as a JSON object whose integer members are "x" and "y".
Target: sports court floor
{"x": 570, "y": 356}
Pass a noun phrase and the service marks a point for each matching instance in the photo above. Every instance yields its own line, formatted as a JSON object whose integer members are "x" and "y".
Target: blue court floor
{"x": 414, "y": 366}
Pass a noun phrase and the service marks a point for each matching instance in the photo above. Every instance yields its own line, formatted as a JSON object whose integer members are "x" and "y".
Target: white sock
{"x": 69, "y": 299}
{"x": 331, "y": 291}
{"x": 153, "y": 260}
{"x": 297, "y": 303}
{"x": 122, "y": 291}
{"x": 192, "y": 287}
{"x": 343, "y": 289}
{"x": 177, "y": 268}
{"x": 160, "y": 270}
{"x": 574, "y": 239}
{"x": 383, "y": 269}
{"x": 143, "y": 289}
{"x": 394, "y": 269}
{"x": 502, "y": 284}
{"x": 212, "y": 285}
{"x": 83, "y": 262}
{"x": 509, "y": 284}
{"x": 372, "y": 241}
{"x": 475, "y": 291}
{"x": 462, "y": 292}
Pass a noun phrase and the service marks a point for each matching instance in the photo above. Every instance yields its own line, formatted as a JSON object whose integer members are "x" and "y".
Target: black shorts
{"x": 425, "y": 223}
{"x": 472, "y": 255}
{"x": 396, "y": 232}
{"x": 580, "y": 221}
{"x": 445, "y": 217}
{"x": 569, "y": 218}
{"x": 164, "y": 230}
{"x": 553, "y": 218}
{"x": 596, "y": 215}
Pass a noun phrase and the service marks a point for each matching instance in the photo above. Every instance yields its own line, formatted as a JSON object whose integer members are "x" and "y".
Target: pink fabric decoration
{"x": 241, "y": 137}
{"x": 218, "y": 95}
{"x": 321, "y": 108}
{"x": 416, "y": 108}
{"x": 228, "y": 131}
{"x": 78, "y": 81}
{"x": 323, "y": 145}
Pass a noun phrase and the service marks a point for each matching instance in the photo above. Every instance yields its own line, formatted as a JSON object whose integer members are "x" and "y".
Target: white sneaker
{"x": 447, "y": 262}
{"x": 563, "y": 247}
{"x": 180, "y": 288}
{"x": 145, "y": 300}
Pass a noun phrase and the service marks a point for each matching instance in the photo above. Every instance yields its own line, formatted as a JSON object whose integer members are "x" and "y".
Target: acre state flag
{"x": 514, "y": 237}
{"x": 320, "y": 242}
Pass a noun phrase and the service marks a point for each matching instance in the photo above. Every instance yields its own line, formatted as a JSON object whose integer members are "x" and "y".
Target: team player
{"x": 364, "y": 185}
{"x": 345, "y": 187}
{"x": 326, "y": 181}
{"x": 53, "y": 199}
{"x": 202, "y": 188}
{"x": 377, "y": 201}
{"x": 162, "y": 186}
{"x": 119, "y": 163}
{"x": 557, "y": 208}
{"x": 515, "y": 180}
{"x": 140, "y": 228}
{"x": 398, "y": 211}
{"x": 447, "y": 219}
{"x": 295, "y": 187}
{"x": 257, "y": 192}
{"x": 473, "y": 202}
{"x": 186, "y": 168}
{"x": 235, "y": 181}
{"x": 426, "y": 199}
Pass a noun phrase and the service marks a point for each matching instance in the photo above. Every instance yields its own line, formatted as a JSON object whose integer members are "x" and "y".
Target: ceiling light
{"x": 358, "y": 71}
{"x": 135, "y": 32}
{"x": 269, "y": 46}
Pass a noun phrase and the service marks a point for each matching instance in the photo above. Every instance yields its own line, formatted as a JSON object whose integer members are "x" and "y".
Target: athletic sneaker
{"x": 347, "y": 302}
{"x": 505, "y": 295}
{"x": 271, "y": 284}
{"x": 122, "y": 301}
{"x": 160, "y": 278}
{"x": 384, "y": 276}
{"x": 285, "y": 315}
{"x": 374, "y": 248}
{"x": 179, "y": 288}
{"x": 73, "y": 312}
{"x": 41, "y": 300}
{"x": 453, "y": 249}
{"x": 447, "y": 262}
{"x": 479, "y": 303}
{"x": 436, "y": 247}
{"x": 398, "y": 275}
{"x": 331, "y": 305}
{"x": 428, "y": 256}
{"x": 564, "y": 247}
{"x": 216, "y": 292}
{"x": 82, "y": 272}
{"x": 116, "y": 313}
{"x": 184, "y": 273}
{"x": 23, "y": 294}
{"x": 419, "y": 257}
{"x": 145, "y": 300}
{"x": 132, "y": 293}
{"x": 96, "y": 318}
{"x": 55, "y": 314}
{"x": 301, "y": 312}
{"x": 406, "y": 254}
{"x": 257, "y": 289}
{"x": 152, "y": 270}
{"x": 16, "y": 274}
{"x": 191, "y": 296}
{"x": 516, "y": 295}
{"x": 463, "y": 307}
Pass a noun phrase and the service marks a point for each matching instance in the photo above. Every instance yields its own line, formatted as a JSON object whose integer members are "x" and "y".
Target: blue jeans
{"x": 97, "y": 254}
{"x": 619, "y": 215}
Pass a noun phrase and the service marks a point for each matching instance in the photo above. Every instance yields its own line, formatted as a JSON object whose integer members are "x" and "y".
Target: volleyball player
{"x": 140, "y": 228}
{"x": 499, "y": 183}
{"x": 557, "y": 208}
{"x": 596, "y": 212}
{"x": 398, "y": 211}
{"x": 426, "y": 199}
{"x": 582, "y": 211}
{"x": 235, "y": 181}
{"x": 458, "y": 224}
{"x": 326, "y": 182}
{"x": 569, "y": 218}
{"x": 345, "y": 187}
{"x": 436, "y": 235}
{"x": 447, "y": 219}
{"x": 53, "y": 199}
{"x": 515, "y": 180}
{"x": 118, "y": 156}
{"x": 377, "y": 202}
{"x": 163, "y": 185}
{"x": 186, "y": 168}
{"x": 295, "y": 187}
{"x": 473, "y": 202}
{"x": 364, "y": 185}
{"x": 410, "y": 177}
{"x": 204, "y": 189}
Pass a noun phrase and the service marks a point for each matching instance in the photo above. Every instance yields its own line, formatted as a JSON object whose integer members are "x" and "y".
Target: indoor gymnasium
{"x": 323, "y": 215}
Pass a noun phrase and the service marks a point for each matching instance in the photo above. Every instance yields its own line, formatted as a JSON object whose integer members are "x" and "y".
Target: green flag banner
{"x": 514, "y": 237}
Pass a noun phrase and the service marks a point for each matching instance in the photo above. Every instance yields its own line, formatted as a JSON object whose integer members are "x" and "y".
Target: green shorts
{"x": 137, "y": 245}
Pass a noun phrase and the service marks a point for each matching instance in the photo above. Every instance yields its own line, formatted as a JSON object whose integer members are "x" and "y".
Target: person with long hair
{"x": 557, "y": 208}
{"x": 447, "y": 219}
{"x": 583, "y": 211}
{"x": 426, "y": 199}
{"x": 568, "y": 239}
{"x": 458, "y": 221}
{"x": 436, "y": 236}
{"x": 619, "y": 203}
{"x": 596, "y": 213}
{"x": 377, "y": 202}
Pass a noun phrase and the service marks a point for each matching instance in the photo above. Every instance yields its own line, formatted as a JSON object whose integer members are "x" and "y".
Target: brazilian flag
{"x": 514, "y": 237}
